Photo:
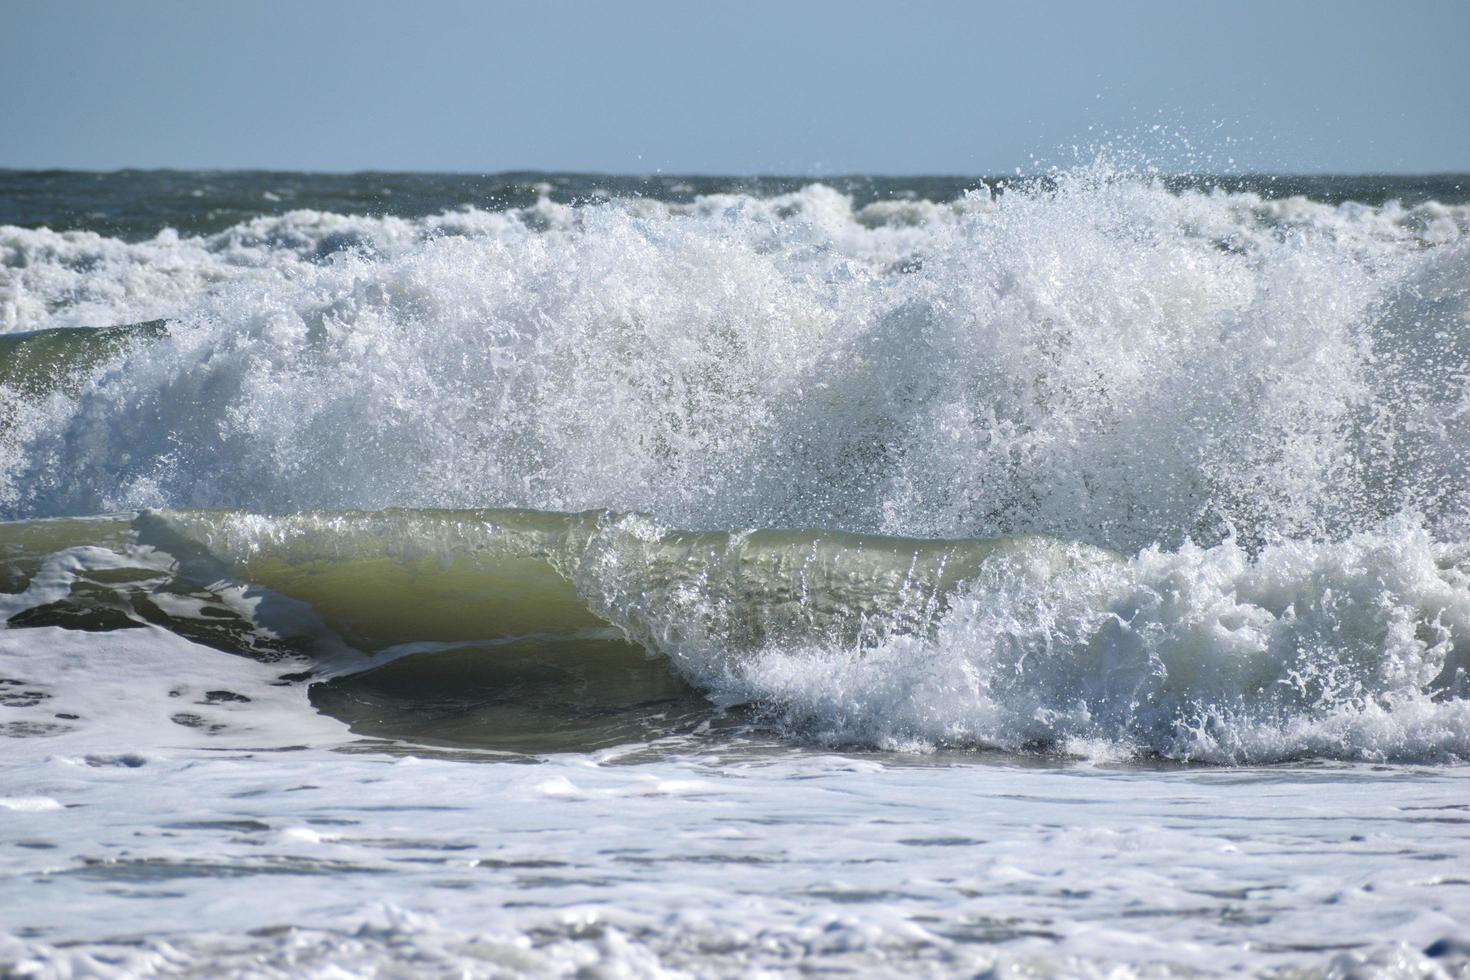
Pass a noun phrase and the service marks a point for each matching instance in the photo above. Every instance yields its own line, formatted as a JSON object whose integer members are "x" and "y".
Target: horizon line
{"x": 712, "y": 175}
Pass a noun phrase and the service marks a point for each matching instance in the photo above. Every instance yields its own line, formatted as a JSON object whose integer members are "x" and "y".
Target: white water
{"x": 1110, "y": 363}
{"x": 1260, "y": 405}
{"x": 1351, "y": 650}
{"x": 167, "y": 850}
{"x": 1355, "y": 650}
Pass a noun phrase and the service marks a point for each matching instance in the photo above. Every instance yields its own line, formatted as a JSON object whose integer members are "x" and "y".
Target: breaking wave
{"x": 1105, "y": 466}
{"x": 1351, "y": 650}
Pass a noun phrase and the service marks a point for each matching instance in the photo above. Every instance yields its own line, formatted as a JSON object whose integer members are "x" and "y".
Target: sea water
{"x": 574, "y": 575}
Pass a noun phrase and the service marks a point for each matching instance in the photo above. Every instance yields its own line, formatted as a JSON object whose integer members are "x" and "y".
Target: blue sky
{"x": 758, "y": 86}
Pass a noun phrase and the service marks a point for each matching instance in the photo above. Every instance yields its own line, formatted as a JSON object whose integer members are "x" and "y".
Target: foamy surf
{"x": 1103, "y": 360}
{"x": 1348, "y": 650}
{"x": 894, "y": 579}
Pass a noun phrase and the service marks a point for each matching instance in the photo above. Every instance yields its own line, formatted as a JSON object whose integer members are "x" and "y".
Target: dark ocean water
{"x": 133, "y": 204}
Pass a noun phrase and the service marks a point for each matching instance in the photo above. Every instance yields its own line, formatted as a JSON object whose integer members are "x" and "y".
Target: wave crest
{"x": 1355, "y": 650}
{"x": 1100, "y": 359}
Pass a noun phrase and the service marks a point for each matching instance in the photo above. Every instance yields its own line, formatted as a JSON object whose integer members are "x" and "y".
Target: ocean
{"x": 575, "y": 575}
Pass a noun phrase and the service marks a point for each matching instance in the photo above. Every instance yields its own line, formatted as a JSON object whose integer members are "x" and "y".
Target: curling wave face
{"x": 1107, "y": 466}
{"x": 1350, "y": 650}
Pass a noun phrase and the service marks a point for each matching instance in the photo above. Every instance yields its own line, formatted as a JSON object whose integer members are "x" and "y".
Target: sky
{"x": 793, "y": 87}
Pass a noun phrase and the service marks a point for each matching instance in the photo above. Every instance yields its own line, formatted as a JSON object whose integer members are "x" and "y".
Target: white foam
{"x": 127, "y": 693}
{"x": 1106, "y": 361}
{"x": 29, "y": 804}
{"x": 276, "y": 864}
{"x": 139, "y": 846}
{"x": 1352, "y": 650}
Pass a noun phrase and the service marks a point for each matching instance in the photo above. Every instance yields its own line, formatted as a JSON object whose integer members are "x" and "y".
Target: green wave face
{"x": 530, "y": 631}
{"x": 41, "y": 364}
{"x": 488, "y": 628}
{"x": 389, "y": 578}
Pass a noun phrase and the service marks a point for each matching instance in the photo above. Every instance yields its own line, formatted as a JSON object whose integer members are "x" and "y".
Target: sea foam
{"x": 1259, "y": 404}
{"x": 1355, "y": 650}
{"x": 1100, "y": 359}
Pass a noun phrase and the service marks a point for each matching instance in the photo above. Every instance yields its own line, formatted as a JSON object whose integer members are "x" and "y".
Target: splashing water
{"x": 696, "y": 496}
{"x": 1100, "y": 359}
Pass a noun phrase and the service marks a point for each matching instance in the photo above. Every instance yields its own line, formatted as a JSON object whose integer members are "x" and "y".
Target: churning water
{"x": 549, "y": 574}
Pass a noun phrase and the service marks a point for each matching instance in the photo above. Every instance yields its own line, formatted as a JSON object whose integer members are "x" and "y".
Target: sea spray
{"x": 1158, "y": 665}
{"x": 1350, "y": 650}
{"x": 1097, "y": 358}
